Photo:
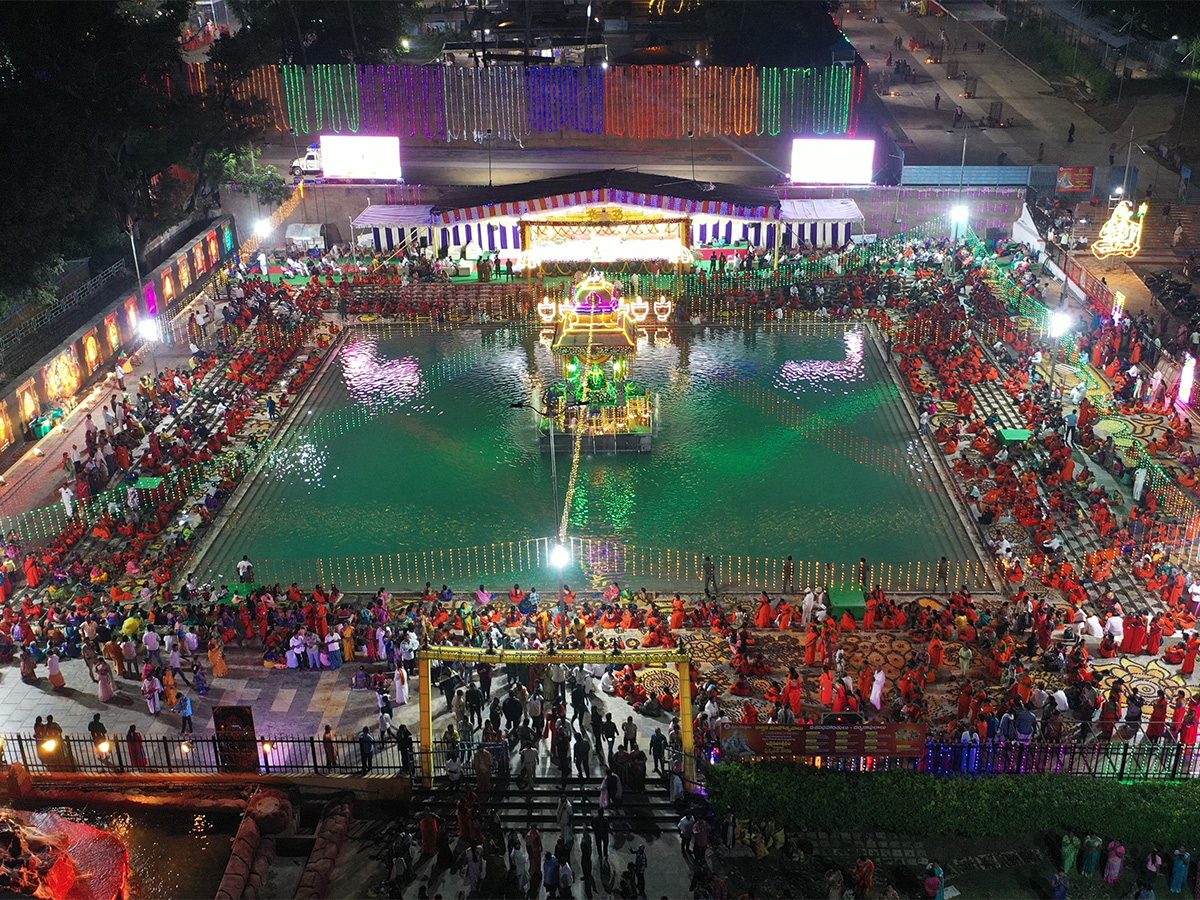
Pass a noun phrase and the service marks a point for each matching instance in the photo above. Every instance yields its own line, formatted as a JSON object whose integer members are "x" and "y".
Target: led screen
{"x": 360, "y": 158}
{"x": 832, "y": 161}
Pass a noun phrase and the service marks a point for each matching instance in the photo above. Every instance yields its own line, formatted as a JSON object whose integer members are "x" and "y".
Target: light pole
{"x": 962, "y": 165}
{"x": 151, "y": 333}
{"x": 959, "y": 216}
{"x": 1059, "y": 324}
{"x": 559, "y": 557}
{"x": 692, "y": 146}
{"x": 1190, "y": 55}
{"x": 152, "y": 322}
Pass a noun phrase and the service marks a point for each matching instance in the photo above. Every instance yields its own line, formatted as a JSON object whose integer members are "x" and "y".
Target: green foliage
{"x": 98, "y": 132}
{"x": 996, "y": 806}
{"x": 330, "y": 31}
{"x": 1052, "y": 56}
{"x": 241, "y": 171}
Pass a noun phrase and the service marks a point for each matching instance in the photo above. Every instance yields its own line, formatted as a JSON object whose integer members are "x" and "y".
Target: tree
{"x": 242, "y": 173}
{"x": 102, "y": 133}
{"x": 89, "y": 120}
{"x": 329, "y": 31}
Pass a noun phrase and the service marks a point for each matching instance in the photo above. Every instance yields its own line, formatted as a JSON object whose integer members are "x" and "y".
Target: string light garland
{"x": 454, "y": 104}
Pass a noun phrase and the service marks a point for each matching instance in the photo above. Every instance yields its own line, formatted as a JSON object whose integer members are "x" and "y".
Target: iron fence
{"x": 1146, "y": 760}
{"x": 213, "y": 754}
{"x": 1139, "y": 759}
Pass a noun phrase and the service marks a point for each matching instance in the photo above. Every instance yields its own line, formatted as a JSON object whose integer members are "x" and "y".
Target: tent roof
{"x": 819, "y": 211}
{"x": 383, "y": 215}
{"x": 611, "y": 186}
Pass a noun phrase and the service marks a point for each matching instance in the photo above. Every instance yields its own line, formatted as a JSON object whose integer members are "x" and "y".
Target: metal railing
{"x": 218, "y": 754}
{"x": 57, "y": 310}
{"x": 615, "y": 559}
{"x": 1144, "y": 761}
{"x": 1139, "y": 759}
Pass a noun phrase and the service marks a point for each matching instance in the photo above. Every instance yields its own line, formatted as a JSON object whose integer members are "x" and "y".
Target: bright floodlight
{"x": 559, "y": 556}
{"x": 149, "y": 329}
{"x": 1119, "y": 190}
{"x": 959, "y": 214}
{"x": 1060, "y": 322}
{"x": 262, "y": 227}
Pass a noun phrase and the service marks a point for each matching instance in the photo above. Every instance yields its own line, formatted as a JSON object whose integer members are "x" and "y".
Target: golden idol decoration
{"x": 1121, "y": 235}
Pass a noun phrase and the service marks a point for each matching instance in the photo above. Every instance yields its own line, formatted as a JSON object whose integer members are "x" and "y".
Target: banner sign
{"x": 786, "y": 741}
{"x": 1075, "y": 179}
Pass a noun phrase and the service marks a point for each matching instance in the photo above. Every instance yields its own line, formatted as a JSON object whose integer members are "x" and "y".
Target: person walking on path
{"x": 601, "y": 827}
{"x": 97, "y": 730}
{"x": 330, "y": 748}
{"x": 958, "y": 114}
{"x": 1071, "y": 134}
{"x": 366, "y": 746}
{"x": 184, "y": 708}
{"x": 937, "y": 101}
{"x": 610, "y": 734}
{"x": 687, "y": 827}
{"x": 629, "y": 734}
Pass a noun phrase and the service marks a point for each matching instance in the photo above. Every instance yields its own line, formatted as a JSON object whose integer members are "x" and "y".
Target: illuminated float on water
{"x": 596, "y": 404}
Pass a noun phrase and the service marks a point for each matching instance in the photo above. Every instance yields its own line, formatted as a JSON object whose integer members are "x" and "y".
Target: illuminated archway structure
{"x": 595, "y": 339}
{"x": 653, "y": 656}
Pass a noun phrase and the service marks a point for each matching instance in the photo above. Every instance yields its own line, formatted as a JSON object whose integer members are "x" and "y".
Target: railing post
{"x": 312, "y": 742}
{"x": 167, "y": 753}
{"x": 1124, "y": 757}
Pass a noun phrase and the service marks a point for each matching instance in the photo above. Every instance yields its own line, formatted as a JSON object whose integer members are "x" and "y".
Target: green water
{"x": 770, "y": 442}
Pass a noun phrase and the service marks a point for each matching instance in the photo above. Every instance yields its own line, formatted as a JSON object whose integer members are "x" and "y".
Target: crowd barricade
{"x": 217, "y": 753}
{"x": 617, "y": 559}
{"x": 1132, "y": 758}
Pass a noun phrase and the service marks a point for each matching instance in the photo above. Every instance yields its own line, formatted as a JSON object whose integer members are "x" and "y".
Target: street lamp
{"x": 959, "y": 215}
{"x": 962, "y": 165}
{"x": 262, "y": 228}
{"x": 1059, "y": 324}
{"x": 559, "y": 557}
{"x": 151, "y": 333}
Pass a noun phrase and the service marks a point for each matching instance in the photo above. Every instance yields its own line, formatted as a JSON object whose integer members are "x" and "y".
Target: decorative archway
{"x": 647, "y": 656}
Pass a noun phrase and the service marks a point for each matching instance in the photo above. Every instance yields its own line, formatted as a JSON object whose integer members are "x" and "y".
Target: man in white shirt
{"x": 806, "y": 607}
{"x": 153, "y": 644}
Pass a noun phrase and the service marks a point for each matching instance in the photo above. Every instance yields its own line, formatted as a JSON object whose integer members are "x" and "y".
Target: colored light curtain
{"x": 260, "y": 87}
{"x": 640, "y": 102}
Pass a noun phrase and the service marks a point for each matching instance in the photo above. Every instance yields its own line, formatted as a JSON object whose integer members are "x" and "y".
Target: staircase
{"x": 646, "y": 814}
{"x": 1080, "y": 538}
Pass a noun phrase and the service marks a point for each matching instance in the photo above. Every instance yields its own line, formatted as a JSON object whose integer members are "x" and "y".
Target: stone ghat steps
{"x": 645, "y": 813}
{"x": 1079, "y": 537}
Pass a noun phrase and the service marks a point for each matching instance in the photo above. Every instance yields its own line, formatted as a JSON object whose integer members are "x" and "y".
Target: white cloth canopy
{"x": 819, "y": 211}
{"x": 383, "y": 215}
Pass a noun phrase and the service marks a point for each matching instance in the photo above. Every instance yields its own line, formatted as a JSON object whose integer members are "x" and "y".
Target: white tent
{"x": 396, "y": 225}
{"x": 822, "y": 223}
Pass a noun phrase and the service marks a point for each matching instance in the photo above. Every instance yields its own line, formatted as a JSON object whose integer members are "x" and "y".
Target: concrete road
{"x": 454, "y": 164}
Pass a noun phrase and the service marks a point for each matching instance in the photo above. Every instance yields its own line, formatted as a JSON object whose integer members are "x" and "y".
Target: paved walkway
{"x": 34, "y": 479}
{"x": 1041, "y": 118}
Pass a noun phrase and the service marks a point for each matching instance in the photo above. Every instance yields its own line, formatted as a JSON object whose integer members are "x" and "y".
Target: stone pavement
{"x": 1040, "y": 117}
{"x": 286, "y": 702}
{"x": 33, "y": 480}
